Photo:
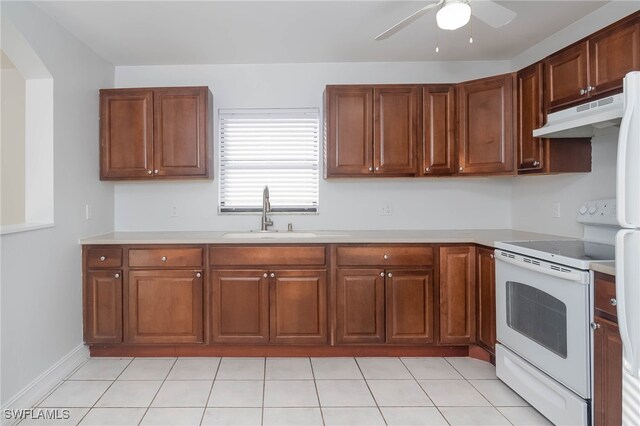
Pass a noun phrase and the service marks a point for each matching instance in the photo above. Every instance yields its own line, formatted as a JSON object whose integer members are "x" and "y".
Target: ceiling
{"x": 218, "y": 32}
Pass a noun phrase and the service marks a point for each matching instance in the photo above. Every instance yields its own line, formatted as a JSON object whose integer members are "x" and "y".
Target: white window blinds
{"x": 274, "y": 147}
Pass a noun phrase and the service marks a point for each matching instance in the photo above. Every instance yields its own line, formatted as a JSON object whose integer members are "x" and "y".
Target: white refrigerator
{"x": 628, "y": 248}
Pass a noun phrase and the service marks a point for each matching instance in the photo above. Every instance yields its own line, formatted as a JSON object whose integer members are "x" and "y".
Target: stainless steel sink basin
{"x": 269, "y": 234}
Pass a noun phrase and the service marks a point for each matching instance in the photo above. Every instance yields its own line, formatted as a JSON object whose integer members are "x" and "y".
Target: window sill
{"x": 24, "y": 227}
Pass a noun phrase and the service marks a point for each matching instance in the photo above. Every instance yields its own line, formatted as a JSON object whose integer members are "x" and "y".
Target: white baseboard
{"x": 37, "y": 389}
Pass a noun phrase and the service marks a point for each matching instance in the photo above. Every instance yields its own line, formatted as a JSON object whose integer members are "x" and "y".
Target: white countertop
{"x": 486, "y": 237}
{"x": 608, "y": 268}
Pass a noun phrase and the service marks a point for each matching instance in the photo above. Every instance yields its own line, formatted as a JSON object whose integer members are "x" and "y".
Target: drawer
{"x": 384, "y": 255}
{"x": 165, "y": 257}
{"x": 267, "y": 256}
{"x": 605, "y": 292}
{"x": 104, "y": 257}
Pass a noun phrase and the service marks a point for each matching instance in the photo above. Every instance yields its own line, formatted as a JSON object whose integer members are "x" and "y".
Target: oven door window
{"x": 538, "y": 316}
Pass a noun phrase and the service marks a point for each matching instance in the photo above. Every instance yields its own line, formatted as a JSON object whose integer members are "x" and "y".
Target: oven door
{"x": 543, "y": 316}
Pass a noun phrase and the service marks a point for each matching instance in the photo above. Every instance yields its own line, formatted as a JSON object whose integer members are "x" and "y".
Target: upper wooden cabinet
{"x": 155, "y": 133}
{"x": 594, "y": 66}
{"x": 486, "y": 125}
{"x": 438, "y": 130}
{"x": 371, "y": 130}
{"x": 537, "y": 155}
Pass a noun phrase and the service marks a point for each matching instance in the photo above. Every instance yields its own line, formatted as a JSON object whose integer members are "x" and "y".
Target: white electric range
{"x": 544, "y": 309}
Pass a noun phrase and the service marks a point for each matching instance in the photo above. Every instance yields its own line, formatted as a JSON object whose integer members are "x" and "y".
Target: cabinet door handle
{"x": 590, "y": 89}
{"x": 265, "y": 275}
{"x": 583, "y": 92}
{"x": 427, "y": 170}
{"x": 377, "y": 168}
{"x": 390, "y": 275}
{"x": 461, "y": 168}
{"x": 155, "y": 172}
{"x": 613, "y": 301}
{"x": 370, "y": 169}
{"x": 491, "y": 256}
{"x": 382, "y": 274}
{"x": 116, "y": 275}
{"x": 103, "y": 258}
{"x": 164, "y": 258}
{"x": 198, "y": 275}
{"x": 536, "y": 163}
{"x": 273, "y": 275}
{"x": 595, "y": 325}
{"x": 149, "y": 172}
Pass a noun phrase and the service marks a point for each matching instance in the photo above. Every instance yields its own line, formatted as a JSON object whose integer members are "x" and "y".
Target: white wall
{"x": 344, "y": 203}
{"x": 12, "y": 87}
{"x": 41, "y": 306}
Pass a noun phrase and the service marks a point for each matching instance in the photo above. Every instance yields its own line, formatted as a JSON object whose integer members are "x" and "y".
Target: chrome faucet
{"x": 266, "y": 208}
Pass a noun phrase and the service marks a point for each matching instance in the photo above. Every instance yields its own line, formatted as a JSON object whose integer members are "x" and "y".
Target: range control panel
{"x": 598, "y": 212}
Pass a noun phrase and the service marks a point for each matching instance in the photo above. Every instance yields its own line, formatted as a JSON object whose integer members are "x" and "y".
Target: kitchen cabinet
{"x": 486, "y": 125}
{"x": 538, "y": 155}
{"x": 371, "y": 130}
{"x": 283, "y": 302}
{"x": 165, "y": 306}
{"x": 607, "y": 354}
{"x": 155, "y": 133}
{"x": 384, "y": 294}
{"x": 438, "y": 130}
{"x": 298, "y": 306}
{"x": 103, "y": 306}
{"x": 486, "y": 298}
{"x": 593, "y": 67}
{"x": 457, "y": 295}
{"x": 239, "y": 301}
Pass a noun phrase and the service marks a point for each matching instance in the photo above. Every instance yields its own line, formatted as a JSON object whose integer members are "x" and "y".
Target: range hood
{"x": 582, "y": 120}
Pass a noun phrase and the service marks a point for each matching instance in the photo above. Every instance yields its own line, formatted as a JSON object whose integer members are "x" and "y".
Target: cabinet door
{"x": 126, "y": 133}
{"x": 103, "y": 307}
{"x": 457, "y": 295}
{"x": 395, "y": 131}
{"x": 486, "y": 125}
{"x": 566, "y": 76}
{"x": 165, "y": 306}
{"x": 612, "y": 54}
{"x": 607, "y": 351}
{"x": 181, "y": 125}
{"x": 438, "y": 124}
{"x": 486, "y": 308}
{"x": 239, "y": 306}
{"x": 299, "y": 306}
{"x": 409, "y": 300}
{"x": 530, "y": 117}
{"x": 360, "y": 306}
{"x": 349, "y": 130}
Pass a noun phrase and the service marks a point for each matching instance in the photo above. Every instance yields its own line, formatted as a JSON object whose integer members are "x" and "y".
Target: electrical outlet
{"x": 556, "y": 210}
{"x": 386, "y": 209}
{"x": 174, "y": 211}
{"x": 88, "y": 214}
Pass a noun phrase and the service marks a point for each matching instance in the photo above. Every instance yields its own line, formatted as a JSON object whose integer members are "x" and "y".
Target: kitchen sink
{"x": 257, "y": 235}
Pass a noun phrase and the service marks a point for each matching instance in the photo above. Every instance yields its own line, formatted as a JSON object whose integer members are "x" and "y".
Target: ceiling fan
{"x": 454, "y": 14}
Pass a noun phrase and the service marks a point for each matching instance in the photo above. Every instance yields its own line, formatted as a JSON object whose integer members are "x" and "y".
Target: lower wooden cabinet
{"x": 239, "y": 306}
{"x": 378, "y": 306}
{"x": 360, "y": 306}
{"x": 457, "y": 295}
{"x": 486, "y": 298}
{"x": 409, "y": 302}
{"x": 103, "y": 307}
{"x": 298, "y": 306}
{"x": 165, "y": 306}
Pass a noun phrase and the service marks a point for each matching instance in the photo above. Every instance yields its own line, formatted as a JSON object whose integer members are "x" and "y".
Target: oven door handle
{"x": 572, "y": 276}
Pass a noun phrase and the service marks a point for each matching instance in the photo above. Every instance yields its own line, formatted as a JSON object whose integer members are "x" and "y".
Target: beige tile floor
{"x": 287, "y": 391}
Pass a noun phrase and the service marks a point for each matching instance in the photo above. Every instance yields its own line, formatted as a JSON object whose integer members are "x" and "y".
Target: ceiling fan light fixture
{"x": 453, "y": 14}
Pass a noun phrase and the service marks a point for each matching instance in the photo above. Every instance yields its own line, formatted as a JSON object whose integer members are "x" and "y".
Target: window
{"x": 274, "y": 147}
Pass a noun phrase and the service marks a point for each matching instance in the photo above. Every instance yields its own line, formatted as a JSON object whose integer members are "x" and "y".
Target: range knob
{"x": 593, "y": 209}
{"x": 583, "y": 209}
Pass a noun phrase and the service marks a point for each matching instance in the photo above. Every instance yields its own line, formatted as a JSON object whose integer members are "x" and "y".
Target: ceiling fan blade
{"x": 492, "y": 13}
{"x": 408, "y": 20}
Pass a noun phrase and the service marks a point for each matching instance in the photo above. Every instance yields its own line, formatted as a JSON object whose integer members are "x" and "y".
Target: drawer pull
{"x": 382, "y": 274}
{"x": 103, "y": 258}
{"x": 116, "y": 275}
{"x": 265, "y": 275}
{"x": 164, "y": 258}
{"x": 595, "y": 325}
{"x": 385, "y": 257}
{"x": 613, "y": 301}
{"x": 273, "y": 275}
{"x": 198, "y": 275}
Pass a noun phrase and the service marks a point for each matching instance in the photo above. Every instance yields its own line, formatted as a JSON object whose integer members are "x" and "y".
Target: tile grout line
{"x": 372, "y": 395}
{"x": 425, "y": 391}
{"x": 158, "y": 391}
{"x": 315, "y": 384}
{"x": 215, "y": 377}
{"x": 264, "y": 386}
